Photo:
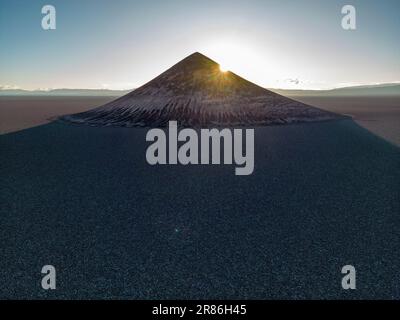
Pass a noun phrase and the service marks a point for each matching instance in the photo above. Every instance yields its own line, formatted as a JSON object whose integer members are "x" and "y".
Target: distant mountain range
{"x": 387, "y": 89}
{"x": 64, "y": 92}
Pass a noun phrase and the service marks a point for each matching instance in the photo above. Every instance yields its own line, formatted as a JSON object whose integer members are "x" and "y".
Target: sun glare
{"x": 236, "y": 57}
{"x": 223, "y": 69}
{"x": 244, "y": 59}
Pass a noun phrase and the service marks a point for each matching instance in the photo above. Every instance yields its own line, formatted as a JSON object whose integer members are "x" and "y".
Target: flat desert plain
{"x": 85, "y": 200}
{"x": 18, "y": 113}
{"x": 380, "y": 115}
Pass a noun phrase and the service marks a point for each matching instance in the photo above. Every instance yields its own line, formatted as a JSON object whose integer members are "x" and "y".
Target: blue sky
{"x": 122, "y": 44}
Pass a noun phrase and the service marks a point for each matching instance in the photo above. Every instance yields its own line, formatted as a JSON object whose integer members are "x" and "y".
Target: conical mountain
{"x": 195, "y": 92}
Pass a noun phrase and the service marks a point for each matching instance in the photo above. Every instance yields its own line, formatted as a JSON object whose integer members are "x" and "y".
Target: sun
{"x": 231, "y": 55}
{"x": 223, "y": 69}
{"x": 244, "y": 58}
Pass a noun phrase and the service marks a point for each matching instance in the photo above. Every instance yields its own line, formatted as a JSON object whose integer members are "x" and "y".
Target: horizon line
{"x": 16, "y": 88}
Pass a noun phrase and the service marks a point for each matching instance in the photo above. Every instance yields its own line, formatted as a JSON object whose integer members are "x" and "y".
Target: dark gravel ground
{"x": 84, "y": 199}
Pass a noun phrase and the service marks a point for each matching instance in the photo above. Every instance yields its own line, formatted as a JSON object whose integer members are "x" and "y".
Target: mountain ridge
{"x": 195, "y": 92}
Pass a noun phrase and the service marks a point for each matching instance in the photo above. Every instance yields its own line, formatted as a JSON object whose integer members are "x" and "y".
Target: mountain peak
{"x": 197, "y": 55}
{"x": 195, "y": 61}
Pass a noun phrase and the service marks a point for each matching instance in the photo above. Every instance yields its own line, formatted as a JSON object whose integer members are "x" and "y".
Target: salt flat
{"x": 84, "y": 199}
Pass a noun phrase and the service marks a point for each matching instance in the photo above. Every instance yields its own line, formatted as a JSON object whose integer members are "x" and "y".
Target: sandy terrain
{"x": 85, "y": 200}
{"x": 380, "y": 115}
{"x": 17, "y": 113}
